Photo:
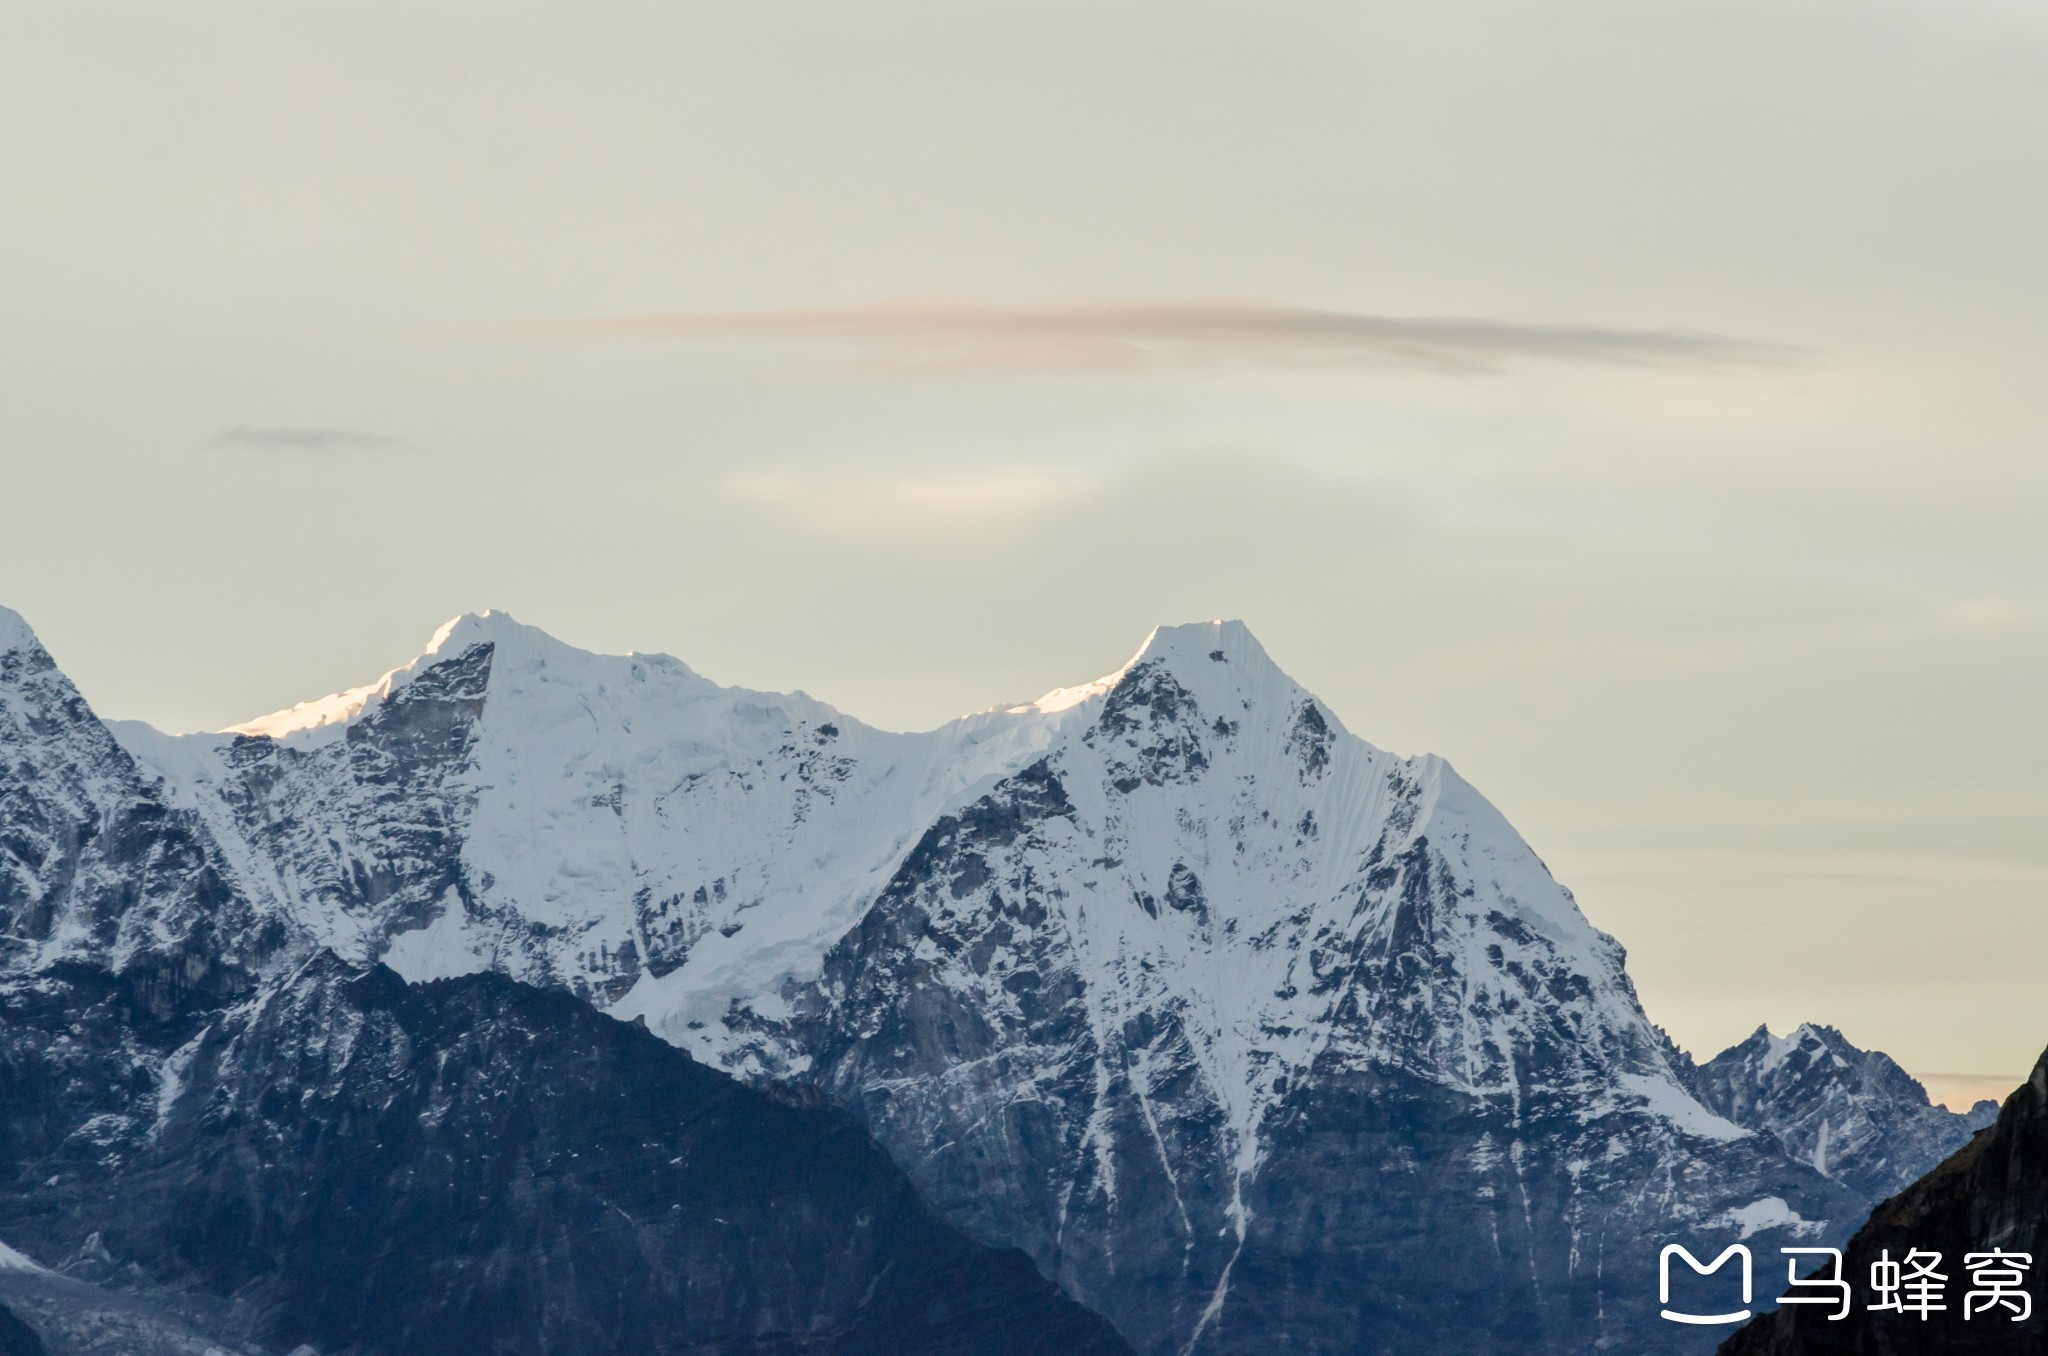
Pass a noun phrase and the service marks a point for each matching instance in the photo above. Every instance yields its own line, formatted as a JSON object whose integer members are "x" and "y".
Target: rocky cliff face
{"x": 96, "y": 864}
{"x": 361, "y": 1165}
{"x": 1253, "y": 1035}
{"x": 1855, "y": 1115}
{"x": 209, "y": 1124}
{"x": 506, "y": 802}
{"x": 1991, "y": 1194}
{"x": 1242, "y": 1086}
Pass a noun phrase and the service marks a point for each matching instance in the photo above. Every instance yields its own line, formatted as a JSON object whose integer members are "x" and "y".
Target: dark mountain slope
{"x": 1993, "y": 1193}
{"x": 474, "y": 1166}
{"x": 16, "y": 1337}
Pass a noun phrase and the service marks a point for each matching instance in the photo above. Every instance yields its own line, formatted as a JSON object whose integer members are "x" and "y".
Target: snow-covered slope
{"x": 1223, "y": 1014}
{"x": 1232, "y": 1019}
{"x": 629, "y": 829}
{"x": 97, "y": 863}
{"x": 508, "y": 802}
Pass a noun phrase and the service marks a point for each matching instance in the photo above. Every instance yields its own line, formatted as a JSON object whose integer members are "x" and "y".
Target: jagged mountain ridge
{"x": 595, "y": 819}
{"x": 211, "y": 1124}
{"x": 1215, "y": 1009}
{"x": 1854, "y": 1114}
{"x": 1128, "y": 977}
{"x": 563, "y": 831}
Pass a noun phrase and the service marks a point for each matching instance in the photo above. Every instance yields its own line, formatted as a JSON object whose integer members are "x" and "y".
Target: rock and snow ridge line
{"x": 1131, "y": 946}
{"x": 579, "y": 768}
{"x": 556, "y": 689}
{"x": 10, "y": 1260}
{"x": 1854, "y": 1115}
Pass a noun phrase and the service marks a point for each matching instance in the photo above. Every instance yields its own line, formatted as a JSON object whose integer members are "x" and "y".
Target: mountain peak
{"x": 1853, "y": 1114}
{"x": 515, "y": 645}
{"x": 1199, "y": 653}
{"x": 1209, "y": 641}
{"x": 1202, "y": 656}
{"x": 320, "y": 719}
{"x": 1814, "y": 1041}
{"x": 475, "y": 628}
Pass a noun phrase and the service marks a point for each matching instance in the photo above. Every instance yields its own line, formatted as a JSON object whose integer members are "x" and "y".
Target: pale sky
{"x": 1638, "y": 403}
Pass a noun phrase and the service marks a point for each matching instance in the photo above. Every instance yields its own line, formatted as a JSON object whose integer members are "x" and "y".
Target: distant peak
{"x": 1199, "y": 654}
{"x": 518, "y": 643}
{"x": 474, "y": 628}
{"x": 325, "y": 718}
{"x": 1772, "y": 1052}
{"x": 515, "y": 645}
{"x": 1226, "y": 642}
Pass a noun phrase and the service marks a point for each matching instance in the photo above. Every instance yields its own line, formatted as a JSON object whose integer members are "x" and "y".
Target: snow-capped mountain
{"x": 507, "y": 802}
{"x": 224, "y": 1138}
{"x": 1251, "y": 1034}
{"x": 1854, "y": 1114}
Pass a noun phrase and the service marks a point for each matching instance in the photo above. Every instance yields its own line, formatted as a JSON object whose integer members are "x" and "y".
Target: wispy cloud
{"x": 882, "y": 508}
{"x": 1133, "y": 334}
{"x": 290, "y": 439}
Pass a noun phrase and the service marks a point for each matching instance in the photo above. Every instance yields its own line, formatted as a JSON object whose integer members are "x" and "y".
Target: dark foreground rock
{"x": 16, "y": 1337}
{"x": 1992, "y": 1194}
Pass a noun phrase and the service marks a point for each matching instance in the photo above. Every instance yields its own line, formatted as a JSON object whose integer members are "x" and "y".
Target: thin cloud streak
{"x": 296, "y": 441}
{"x": 888, "y": 509}
{"x": 1135, "y": 335}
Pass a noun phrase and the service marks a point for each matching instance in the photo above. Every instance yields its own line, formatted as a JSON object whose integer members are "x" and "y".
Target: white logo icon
{"x": 1664, "y": 1282}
